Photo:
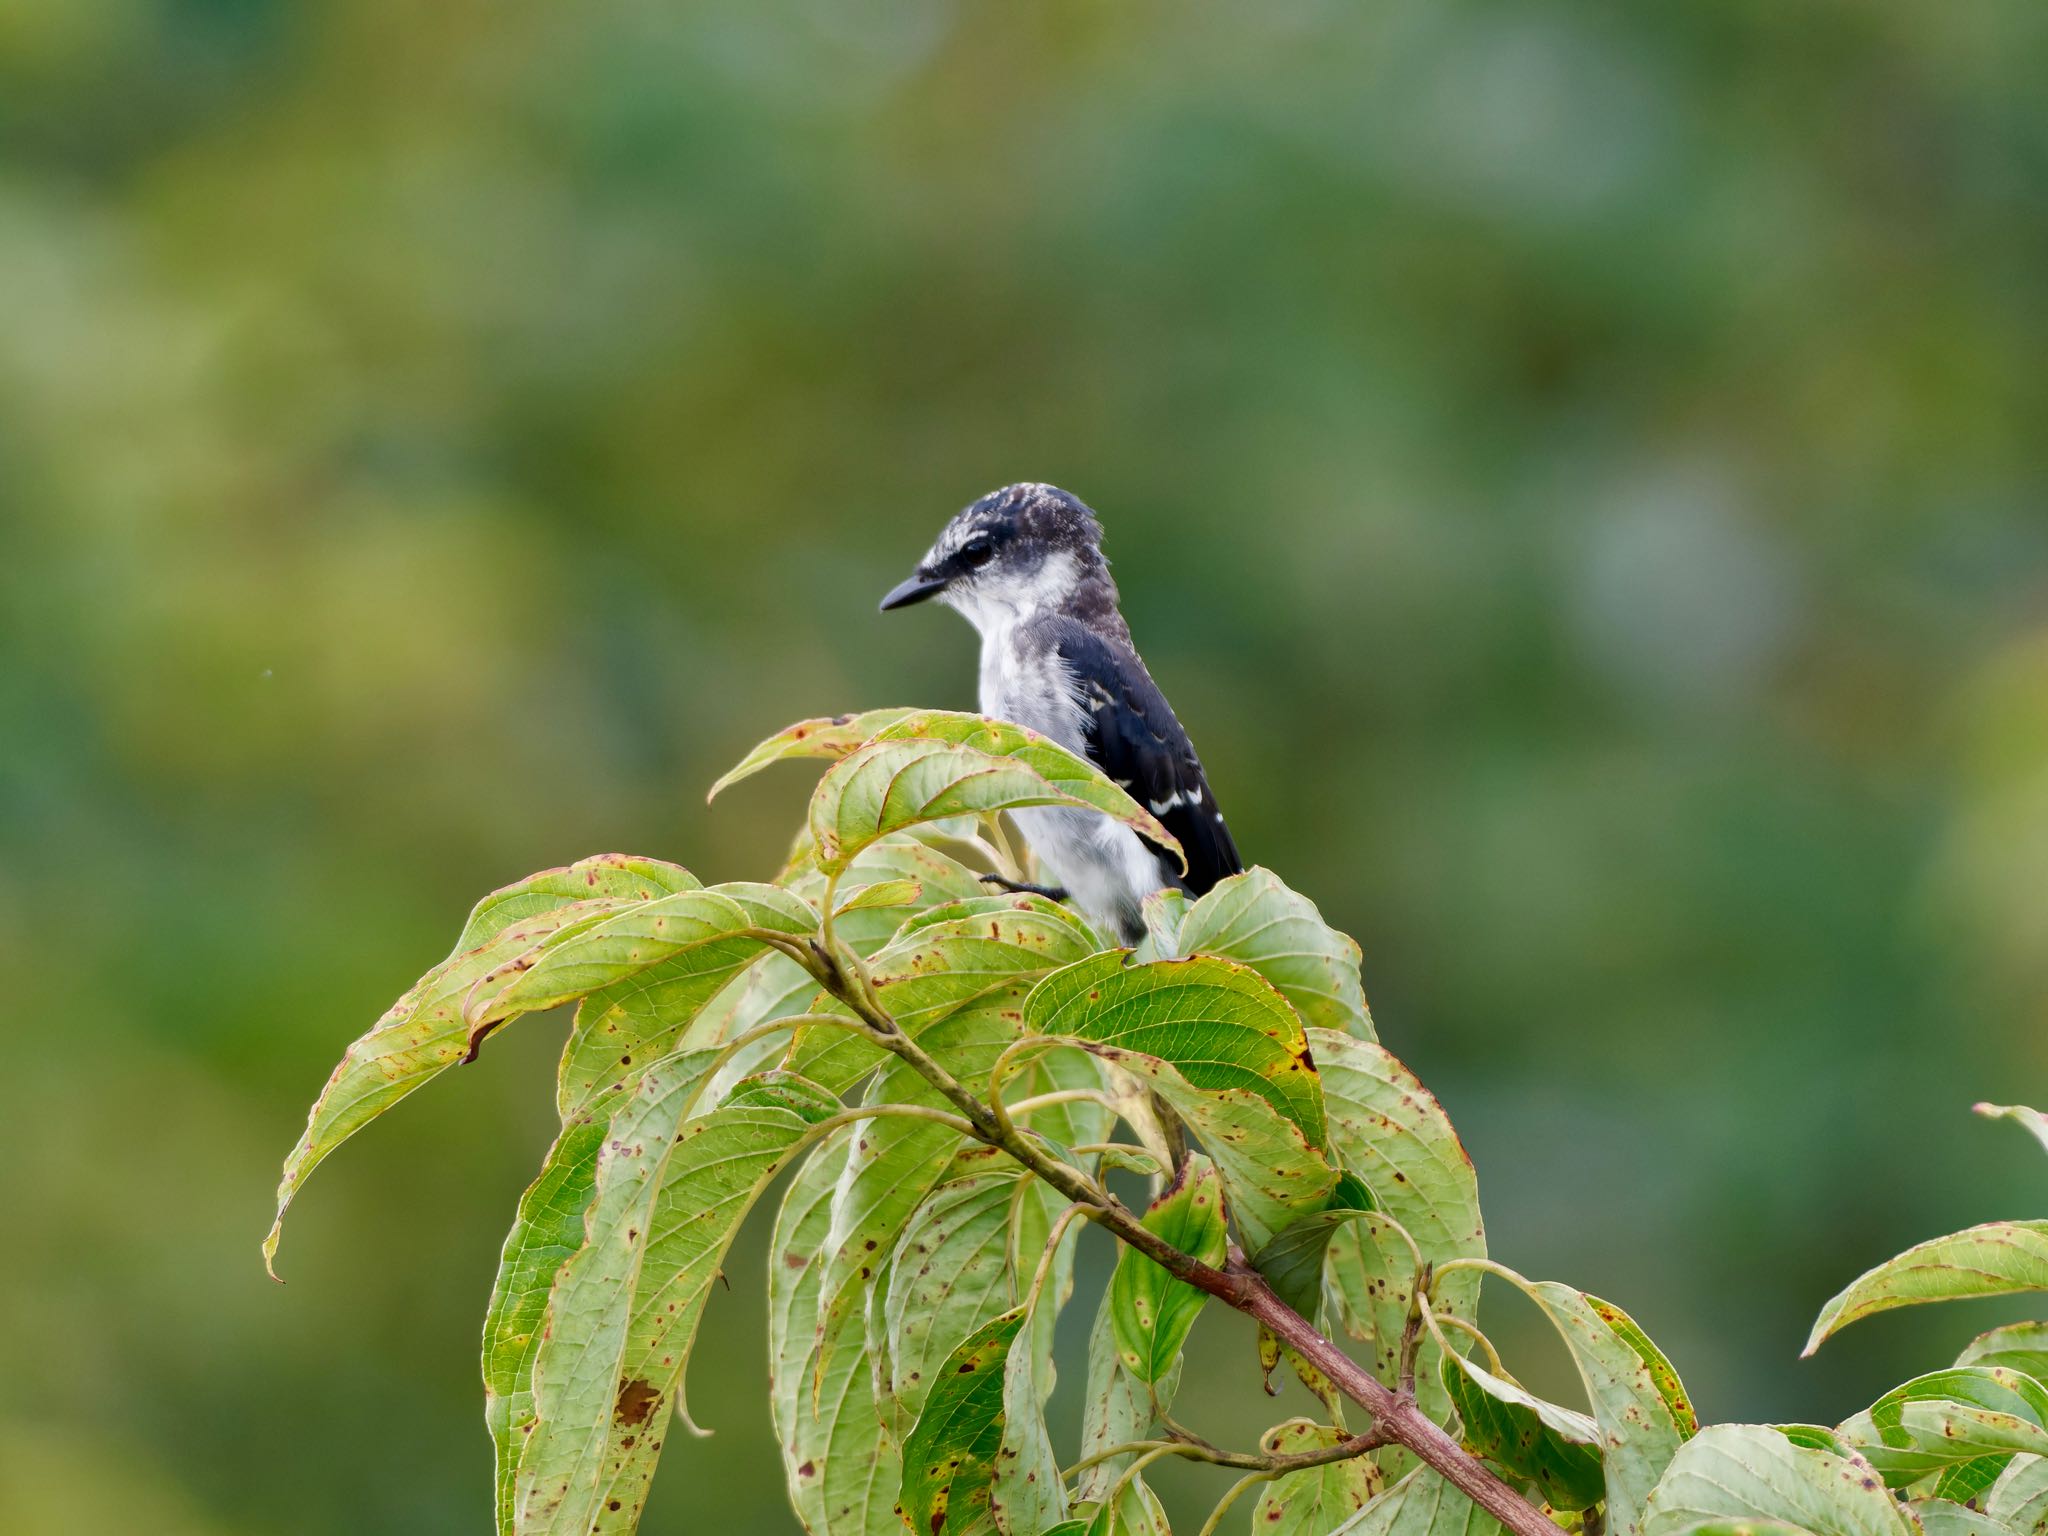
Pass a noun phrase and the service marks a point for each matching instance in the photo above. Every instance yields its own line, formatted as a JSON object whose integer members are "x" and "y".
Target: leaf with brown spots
{"x": 1558, "y": 1449}
{"x": 2019, "y": 1498}
{"x": 828, "y": 737}
{"x": 984, "y": 951}
{"x": 1637, "y": 1400}
{"x": 2000, "y": 1258}
{"x": 1272, "y": 1177}
{"x": 546, "y": 1233}
{"x": 671, "y": 1188}
{"x": 949, "y": 1455}
{"x": 1422, "y": 1504}
{"x": 631, "y": 947}
{"x": 1254, "y": 919}
{"x": 2023, "y": 1346}
{"x": 1753, "y": 1472}
{"x": 1316, "y": 1500}
{"x": 1116, "y": 1408}
{"x": 1389, "y": 1131}
{"x": 1948, "y": 1417}
{"x": 424, "y": 1033}
{"x": 1221, "y": 1025}
{"x": 1026, "y": 1492}
{"x": 955, "y": 981}
{"x": 903, "y": 780}
{"x": 842, "y": 1462}
{"x": 1151, "y": 1310}
{"x": 952, "y": 1275}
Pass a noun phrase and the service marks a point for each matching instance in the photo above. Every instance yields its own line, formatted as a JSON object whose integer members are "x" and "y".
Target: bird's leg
{"x": 1026, "y": 888}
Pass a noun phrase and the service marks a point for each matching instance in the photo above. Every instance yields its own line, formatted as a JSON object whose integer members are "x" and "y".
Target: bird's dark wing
{"x": 1133, "y": 737}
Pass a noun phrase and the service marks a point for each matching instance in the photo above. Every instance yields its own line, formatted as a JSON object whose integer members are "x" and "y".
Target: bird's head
{"x": 1024, "y": 548}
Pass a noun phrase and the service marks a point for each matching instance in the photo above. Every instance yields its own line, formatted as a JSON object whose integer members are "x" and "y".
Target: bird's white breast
{"x": 1101, "y": 862}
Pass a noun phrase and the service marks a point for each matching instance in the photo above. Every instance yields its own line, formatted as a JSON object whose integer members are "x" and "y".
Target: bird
{"x": 1024, "y": 565}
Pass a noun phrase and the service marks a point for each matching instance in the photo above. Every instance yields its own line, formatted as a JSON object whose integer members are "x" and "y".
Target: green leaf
{"x": 974, "y": 951}
{"x": 1137, "y": 1512}
{"x": 2019, "y": 1499}
{"x": 1293, "y": 1261}
{"x": 1162, "y": 913}
{"x": 1132, "y": 1160}
{"x": 633, "y": 942}
{"x": 670, "y": 1192}
{"x": 1950, "y": 1416}
{"x": 1745, "y": 1528}
{"x": 1752, "y": 1472}
{"x": 894, "y": 783}
{"x": 830, "y": 736}
{"x": 894, "y": 894}
{"x": 1220, "y": 1024}
{"x": 1151, "y": 1310}
{"x": 620, "y": 877}
{"x": 1067, "y": 771}
{"x": 1556, "y": 1448}
{"x": 1316, "y": 1500}
{"x": 1038, "y": 1210}
{"x": 1256, "y": 920}
{"x": 1272, "y": 1177}
{"x": 1638, "y": 1402}
{"x": 955, "y": 982}
{"x": 1080, "y": 1122}
{"x": 896, "y": 864}
{"x": 1390, "y": 1132}
{"x": 2000, "y": 1258}
{"x": 1117, "y": 1407}
{"x": 843, "y": 1466}
{"x": 2020, "y": 1346}
{"x": 1943, "y": 1517}
{"x": 675, "y": 1005}
{"x": 1967, "y": 1481}
{"x": 895, "y": 1163}
{"x": 1421, "y": 1504}
{"x": 952, "y": 1275}
{"x": 950, "y": 1452}
{"x": 546, "y": 1233}
{"x": 1026, "y": 1492}
{"x": 423, "y": 1033}
{"x": 985, "y": 952}
{"x": 2031, "y": 1120}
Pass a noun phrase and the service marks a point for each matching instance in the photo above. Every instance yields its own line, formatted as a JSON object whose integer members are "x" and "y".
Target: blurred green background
{"x": 1577, "y": 468}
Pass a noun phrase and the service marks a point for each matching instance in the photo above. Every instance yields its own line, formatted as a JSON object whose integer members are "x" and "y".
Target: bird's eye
{"x": 977, "y": 552}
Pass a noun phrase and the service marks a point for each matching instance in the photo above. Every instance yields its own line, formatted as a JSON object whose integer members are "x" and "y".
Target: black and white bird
{"x": 1025, "y": 566}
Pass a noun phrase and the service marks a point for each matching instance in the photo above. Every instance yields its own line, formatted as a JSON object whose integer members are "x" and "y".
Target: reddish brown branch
{"x": 1395, "y": 1414}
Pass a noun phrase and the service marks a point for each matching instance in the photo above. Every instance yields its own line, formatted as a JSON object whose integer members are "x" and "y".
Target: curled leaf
{"x": 830, "y": 736}
{"x": 2000, "y": 1258}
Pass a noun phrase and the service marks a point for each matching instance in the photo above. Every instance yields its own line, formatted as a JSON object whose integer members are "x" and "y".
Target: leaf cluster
{"x": 952, "y": 1081}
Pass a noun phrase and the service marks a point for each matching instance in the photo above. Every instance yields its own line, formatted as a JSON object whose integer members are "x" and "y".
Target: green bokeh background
{"x": 1578, "y": 469}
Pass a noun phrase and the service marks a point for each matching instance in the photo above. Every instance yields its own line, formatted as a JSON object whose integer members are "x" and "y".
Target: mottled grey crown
{"x": 1027, "y": 513}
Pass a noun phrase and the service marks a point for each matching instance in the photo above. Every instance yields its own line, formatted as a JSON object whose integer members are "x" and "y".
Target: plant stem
{"x": 1396, "y": 1417}
{"x": 1229, "y": 1498}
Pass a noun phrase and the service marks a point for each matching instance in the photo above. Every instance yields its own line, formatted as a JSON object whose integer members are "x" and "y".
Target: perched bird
{"x": 1025, "y": 566}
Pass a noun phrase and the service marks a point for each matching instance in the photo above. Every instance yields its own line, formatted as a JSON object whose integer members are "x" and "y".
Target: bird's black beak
{"x": 915, "y": 590}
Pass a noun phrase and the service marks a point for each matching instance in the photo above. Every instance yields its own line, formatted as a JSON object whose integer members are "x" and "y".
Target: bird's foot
{"x": 1026, "y": 888}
